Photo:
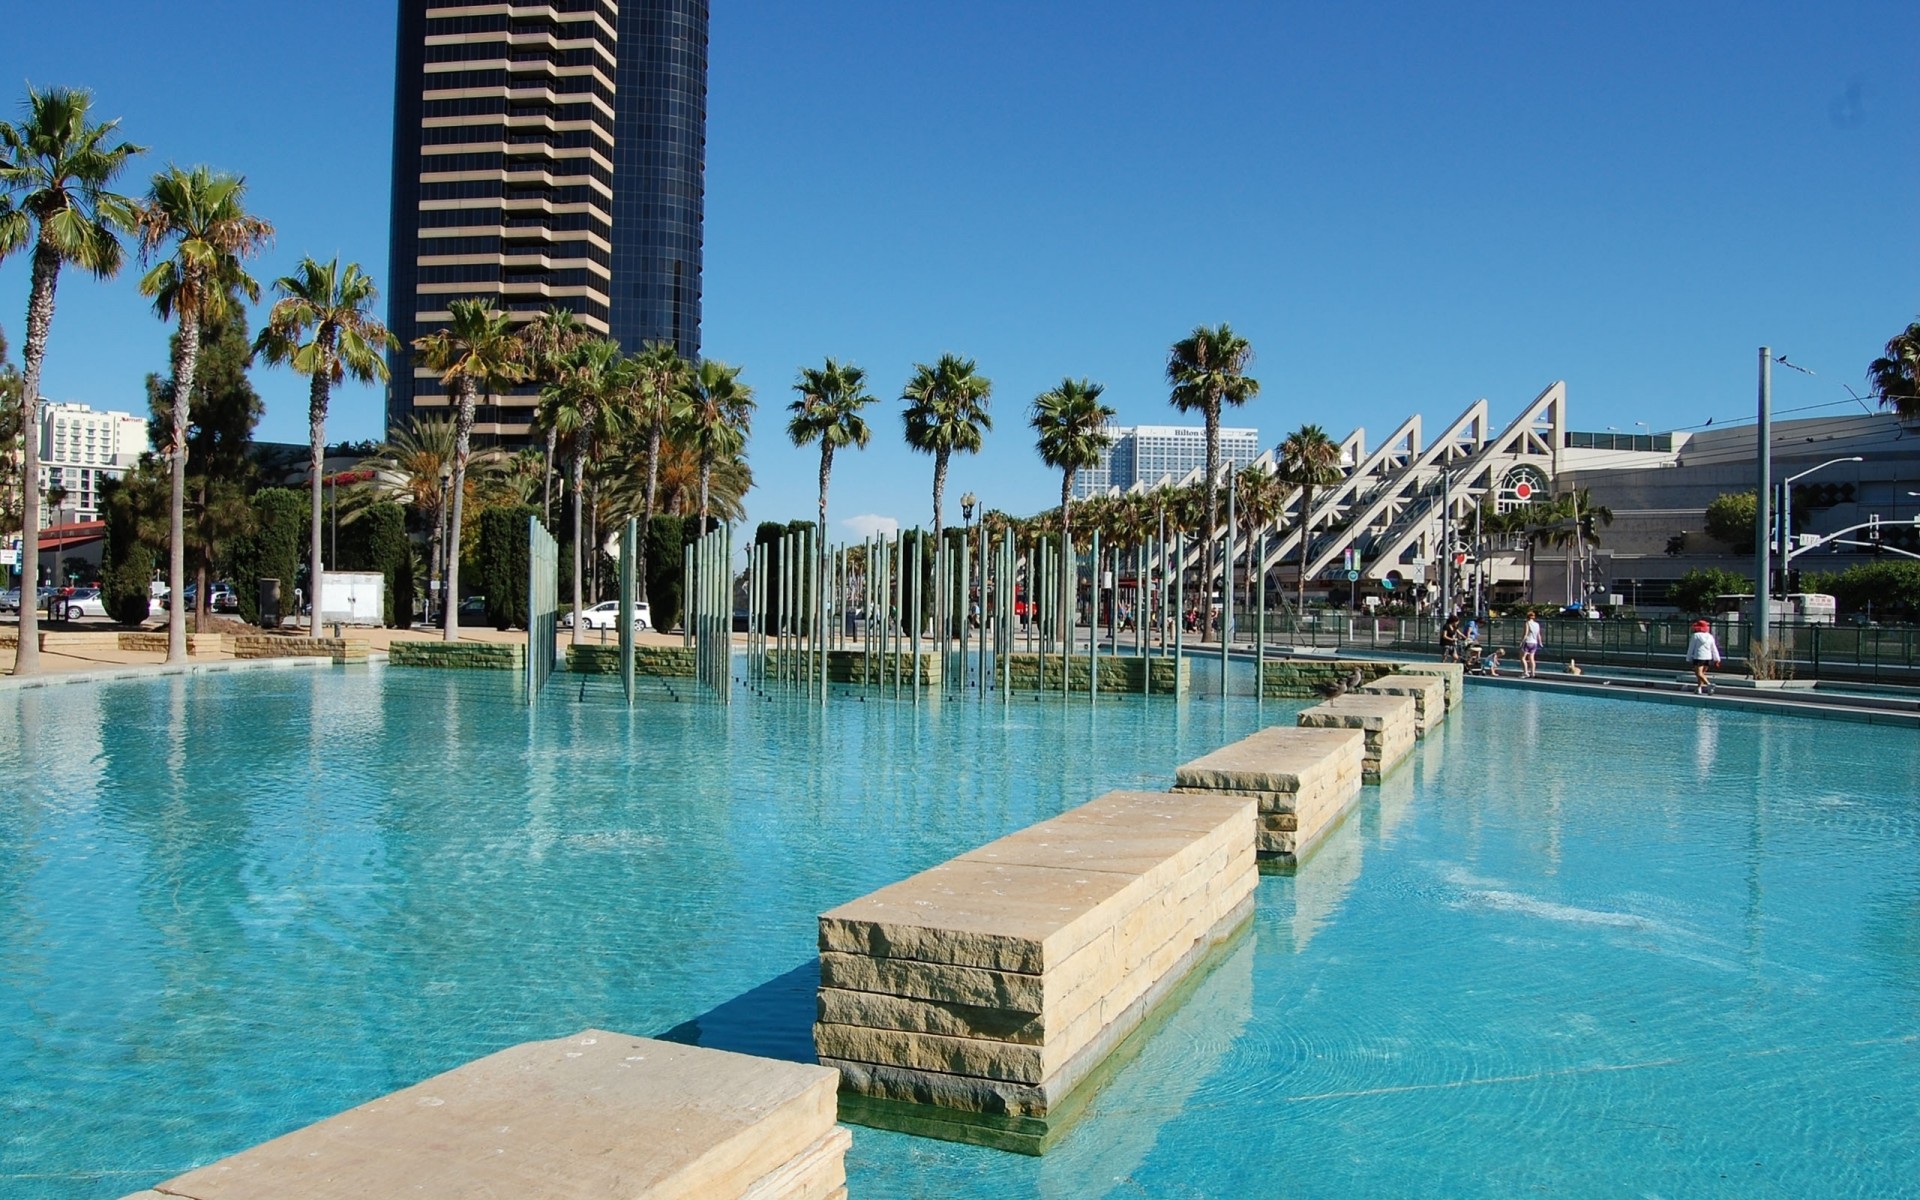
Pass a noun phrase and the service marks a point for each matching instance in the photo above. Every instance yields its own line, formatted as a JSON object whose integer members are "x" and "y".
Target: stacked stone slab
{"x": 1387, "y": 722}
{"x": 977, "y": 1001}
{"x": 1429, "y": 694}
{"x": 1305, "y": 781}
{"x": 1119, "y": 673}
{"x": 460, "y": 656}
{"x": 1454, "y": 674}
{"x": 594, "y": 1115}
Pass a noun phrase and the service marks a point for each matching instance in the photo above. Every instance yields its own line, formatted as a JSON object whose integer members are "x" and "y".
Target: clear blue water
{"x": 1576, "y": 947}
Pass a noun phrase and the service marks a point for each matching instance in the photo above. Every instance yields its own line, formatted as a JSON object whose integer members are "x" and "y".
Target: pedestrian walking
{"x": 1702, "y": 652}
{"x": 1531, "y": 639}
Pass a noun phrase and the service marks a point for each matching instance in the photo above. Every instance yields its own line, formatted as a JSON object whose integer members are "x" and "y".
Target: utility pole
{"x": 1763, "y": 512}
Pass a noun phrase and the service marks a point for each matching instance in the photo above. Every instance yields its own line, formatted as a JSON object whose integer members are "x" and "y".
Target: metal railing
{"x": 1855, "y": 653}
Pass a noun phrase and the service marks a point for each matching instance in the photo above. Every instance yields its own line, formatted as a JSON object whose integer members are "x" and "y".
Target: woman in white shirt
{"x": 1702, "y": 652}
{"x": 1531, "y": 639}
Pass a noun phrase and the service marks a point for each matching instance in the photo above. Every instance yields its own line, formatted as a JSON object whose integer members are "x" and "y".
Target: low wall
{"x": 596, "y": 1114}
{"x": 155, "y": 641}
{"x": 1124, "y": 673}
{"x": 458, "y": 656}
{"x": 266, "y": 645}
{"x": 977, "y": 1001}
{"x": 1310, "y": 678}
{"x": 663, "y": 662}
{"x": 856, "y": 667}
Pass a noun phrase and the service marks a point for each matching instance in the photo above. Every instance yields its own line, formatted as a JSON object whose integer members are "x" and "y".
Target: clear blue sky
{"x": 1404, "y": 206}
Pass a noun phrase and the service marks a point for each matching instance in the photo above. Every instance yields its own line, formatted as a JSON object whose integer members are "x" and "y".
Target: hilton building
{"x": 546, "y": 153}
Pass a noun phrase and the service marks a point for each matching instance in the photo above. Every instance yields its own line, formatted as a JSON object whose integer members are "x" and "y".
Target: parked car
{"x": 606, "y": 615}
{"x": 84, "y": 602}
{"x": 10, "y": 600}
{"x": 473, "y": 611}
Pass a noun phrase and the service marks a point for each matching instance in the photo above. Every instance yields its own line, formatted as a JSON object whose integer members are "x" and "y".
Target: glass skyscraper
{"x": 546, "y": 153}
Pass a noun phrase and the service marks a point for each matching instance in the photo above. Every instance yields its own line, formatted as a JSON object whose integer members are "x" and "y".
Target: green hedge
{"x": 504, "y": 564}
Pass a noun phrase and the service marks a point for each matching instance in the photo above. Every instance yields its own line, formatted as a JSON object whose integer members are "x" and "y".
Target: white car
{"x": 606, "y": 615}
{"x": 84, "y": 603}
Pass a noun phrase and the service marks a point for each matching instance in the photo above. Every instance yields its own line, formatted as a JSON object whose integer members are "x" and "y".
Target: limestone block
{"x": 1428, "y": 692}
{"x": 1279, "y": 759}
{"x": 1453, "y": 675}
{"x": 817, "y": 1173}
{"x": 875, "y": 1010}
{"x": 594, "y": 1115}
{"x": 1011, "y": 1099}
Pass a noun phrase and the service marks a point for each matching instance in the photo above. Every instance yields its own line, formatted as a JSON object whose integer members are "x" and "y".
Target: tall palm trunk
{"x": 317, "y": 438}
{"x": 1213, "y": 514}
{"x": 1306, "y": 547}
{"x": 939, "y": 489}
{"x": 546, "y": 503}
{"x": 462, "y": 437}
{"x": 646, "y": 524}
{"x": 706, "y": 479}
{"x": 826, "y": 473}
{"x": 46, "y": 277}
{"x": 579, "y": 524}
{"x": 185, "y": 362}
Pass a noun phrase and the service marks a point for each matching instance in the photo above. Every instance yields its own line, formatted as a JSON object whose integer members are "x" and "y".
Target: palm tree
{"x": 715, "y": 420}
{"x": 946, "y": 411}
{"x": 1073, "y": 429}
{"x": 1208, "y": 370}
{"x": 547, "y": 340}
{"x": 1309, "y": 459}
{"x": 56, "y": 179}
{"x": 476, "y": 350}
{"x": 1895, "y": 379}
{"x": 204, "y": 216}
{"x": 414, "y": 468}
{"x": 656, "y": 381}
{"x": 577, "y": 408}
{"x": 335, "y": 305}
{"x": 828, "y": 411}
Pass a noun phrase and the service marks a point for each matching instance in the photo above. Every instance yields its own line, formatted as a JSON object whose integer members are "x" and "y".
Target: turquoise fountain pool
{"x": 1573, "y": 947}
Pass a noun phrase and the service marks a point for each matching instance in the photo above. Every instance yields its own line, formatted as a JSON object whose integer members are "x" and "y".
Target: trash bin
{"x": 269, "y": 604}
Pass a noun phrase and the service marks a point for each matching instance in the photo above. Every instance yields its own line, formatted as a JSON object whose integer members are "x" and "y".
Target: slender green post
{"x": 1180, "y": 609}
{"x": 1260, "y": 625}
{"x": 1226, "y": 589}
{"x": 908, "y": 563}
{"x": 1093, "y": 618}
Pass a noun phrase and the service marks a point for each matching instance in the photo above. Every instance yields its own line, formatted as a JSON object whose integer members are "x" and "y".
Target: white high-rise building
{"x": 1149, "y": 454}
{"x": 79, "y": 450}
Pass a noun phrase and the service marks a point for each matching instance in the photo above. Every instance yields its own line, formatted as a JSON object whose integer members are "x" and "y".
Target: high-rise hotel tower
{"x": 546, "y": 152}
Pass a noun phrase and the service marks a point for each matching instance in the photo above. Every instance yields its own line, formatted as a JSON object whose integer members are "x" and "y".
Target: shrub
{"x": 272, "y": 551}
{"x": 127, "y": 587}
{"x": 1695, "y": 591}
{"x": 503, "y": 563}
{"x": 1730, "y": 519}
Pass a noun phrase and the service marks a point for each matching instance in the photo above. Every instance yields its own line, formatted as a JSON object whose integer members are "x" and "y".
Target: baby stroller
{"x": 1482, "y": 664}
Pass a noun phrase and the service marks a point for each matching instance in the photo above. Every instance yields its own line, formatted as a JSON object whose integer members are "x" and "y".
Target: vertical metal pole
{"x": 1260, "y": 623}
{"x": 1226, "y": 587}
{"x": 913, "y": 618}
{"x": 1763, "y": 496}
{"x": 1093, "y": 617}
{"x": 1179, "y": 555}
{"x": 985, "y": 613}
{"x": 1069, "y": 600}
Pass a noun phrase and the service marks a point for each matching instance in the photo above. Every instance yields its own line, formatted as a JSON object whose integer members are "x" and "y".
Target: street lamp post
{"x": 1786, "y": 512}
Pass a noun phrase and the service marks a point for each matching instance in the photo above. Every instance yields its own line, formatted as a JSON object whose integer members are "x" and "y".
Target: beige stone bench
{"x": 1386, "y": 721}
{"x": 976, "y": 1001}
{"x": 1304, "y": 780}
{"x": 1453, "y": 674}
{"x": 1429, "y": 694}
{"x": 597, "y": 1115}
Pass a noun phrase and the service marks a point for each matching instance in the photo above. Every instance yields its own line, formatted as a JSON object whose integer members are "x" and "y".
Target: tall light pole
{"x": 1763, "y": 511}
